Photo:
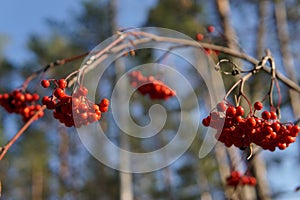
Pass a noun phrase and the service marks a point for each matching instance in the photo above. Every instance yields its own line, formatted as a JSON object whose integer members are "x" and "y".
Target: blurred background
{"x": 49, "y": 161}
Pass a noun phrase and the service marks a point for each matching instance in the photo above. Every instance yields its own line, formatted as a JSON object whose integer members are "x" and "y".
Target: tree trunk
{"x": 126, "y": 185}
{"x": 287, "y": 58}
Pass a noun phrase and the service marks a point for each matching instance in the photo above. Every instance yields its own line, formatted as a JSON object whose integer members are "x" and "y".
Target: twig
{"x": 19, "y": 133}
{"x": 51, "y": 65}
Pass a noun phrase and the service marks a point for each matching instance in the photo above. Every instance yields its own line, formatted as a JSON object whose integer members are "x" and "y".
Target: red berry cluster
{"x": 68, "y": 109}
{"x": 234, "y": 129}
{"x": 149, "y": 85}
{"x": 236, "y": 178}
{"x": 20, "y": 102}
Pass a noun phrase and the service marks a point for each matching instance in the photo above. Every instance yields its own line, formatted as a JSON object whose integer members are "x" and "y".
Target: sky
{"x": 19, "y": 19}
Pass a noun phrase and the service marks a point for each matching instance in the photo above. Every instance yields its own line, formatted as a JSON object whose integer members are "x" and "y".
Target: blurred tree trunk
{"x": 37, "y": 182}
{"x": 287, "y": 58}
{"x": 126, "y": 185}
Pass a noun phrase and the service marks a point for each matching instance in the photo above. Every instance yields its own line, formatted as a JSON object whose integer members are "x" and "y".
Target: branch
{"x": 19, "y": 133}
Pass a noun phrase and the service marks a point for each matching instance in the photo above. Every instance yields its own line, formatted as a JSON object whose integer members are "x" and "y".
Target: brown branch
{"x": 19, "y": 133}
{"x": 51, "y": 65}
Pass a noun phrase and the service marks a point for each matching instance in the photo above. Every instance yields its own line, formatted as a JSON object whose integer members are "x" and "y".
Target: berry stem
{"x": 51, "y": 65}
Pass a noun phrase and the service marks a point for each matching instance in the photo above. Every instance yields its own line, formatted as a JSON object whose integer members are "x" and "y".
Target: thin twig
{"x": 19, "y": 133}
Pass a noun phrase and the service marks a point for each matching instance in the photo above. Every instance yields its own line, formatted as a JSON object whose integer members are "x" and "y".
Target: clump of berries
{"x": 201, "y": 37}
{"x": 156, "y": 89}
{"x": 75, "y": 110}
{"x": 21, "y": 102}
{"x": 236, "y": 178}
{"x": 234, "y": 129}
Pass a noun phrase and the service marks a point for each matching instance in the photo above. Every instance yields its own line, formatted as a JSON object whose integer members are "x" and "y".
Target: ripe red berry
{"x": 266, "y": 115}
{"x": 273, "y": 115}
{"x": 231, "y": 111}
{"x": 258, "y": 105}
{"x": 239, "y": 110}
{"x": 45, "y": 83}
{"x": 35, "y": 97}
{"x": 221, "y": 107}
{"x": 199, "y": 37}
{"x": 251, "y": 122}
{"x": 210, "y": 29}
{"x": 104, "y": 102}
{"x": 59, "y": 93}
{"x": 206, "y": 121}
{"x": 82, "y": 91}
{"x": 62, "y": 83}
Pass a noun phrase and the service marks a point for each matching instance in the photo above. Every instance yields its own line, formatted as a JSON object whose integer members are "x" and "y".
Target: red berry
{"x": 210, "y": 29}
{"x": 35, "y": 97}
{"x": 231, "y": 111}
{"x": 199, "y": 37}
{"x": 46, "y": 100}
{"x": 59, "y": 93}
{"x": 28, "y": 97}
{"x": 258, "y": 105}
{"x": 82, "y": 91}
{"x": 294, "y": 131}
{"x": 240, "y": 111}
{"x": 103, "y": 109}
{"x": 266, "y": 115}
{"x": 221, "y": 107}
{"x": 62, "y": 83}
{"x": 45, "y": 83}
{"x": 273, "y": 115}
{"x": 206, "y": 121}
{"x": 104, "y": 103}
{"x": 251, "y": 122}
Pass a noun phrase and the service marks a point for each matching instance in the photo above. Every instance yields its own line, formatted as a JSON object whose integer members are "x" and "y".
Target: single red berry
{"x": 221, "y": 107}
{"x": 103, "y": 108}
{"x": 294, "y": 131}
{"x": 231, "y": 111}
{"x": 199, "y": 37}
{"x": 210, "y": 29}
{"x": 281, "y": 146}
{"x": 266, "y": 115}
{"x": 46, "y": 100}
{"x": 28, "y": 97}
{"x": 45, "y": 83}
{"x": 82, "y": 91}
{"x": 62, "y": 83}
{"x": 273, "y": 115}
{"x": 239, "y": 110}
{"x": 35, "y": 97}
{"x": 251, "y": 122}
{"x": 59, "y": 93}
{"x": 276, "y": 126}
{"x": 258, "y": 105}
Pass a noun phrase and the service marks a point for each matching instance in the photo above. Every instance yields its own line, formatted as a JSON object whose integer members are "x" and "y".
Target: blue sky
{"x": 19, "y": 19}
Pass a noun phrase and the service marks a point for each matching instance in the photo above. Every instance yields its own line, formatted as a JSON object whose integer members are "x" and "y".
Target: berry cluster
{"x": 200, "y": 37}
{"x": 20, "y": 102}
{"x": 236, "y": 178}
{"x": 149, "y": 85}
{"x": 234, "y": 129}
{"x": 76, "y": 108}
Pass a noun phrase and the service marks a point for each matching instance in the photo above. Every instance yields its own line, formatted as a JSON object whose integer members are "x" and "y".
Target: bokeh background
{"x": 50, "y": 162}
